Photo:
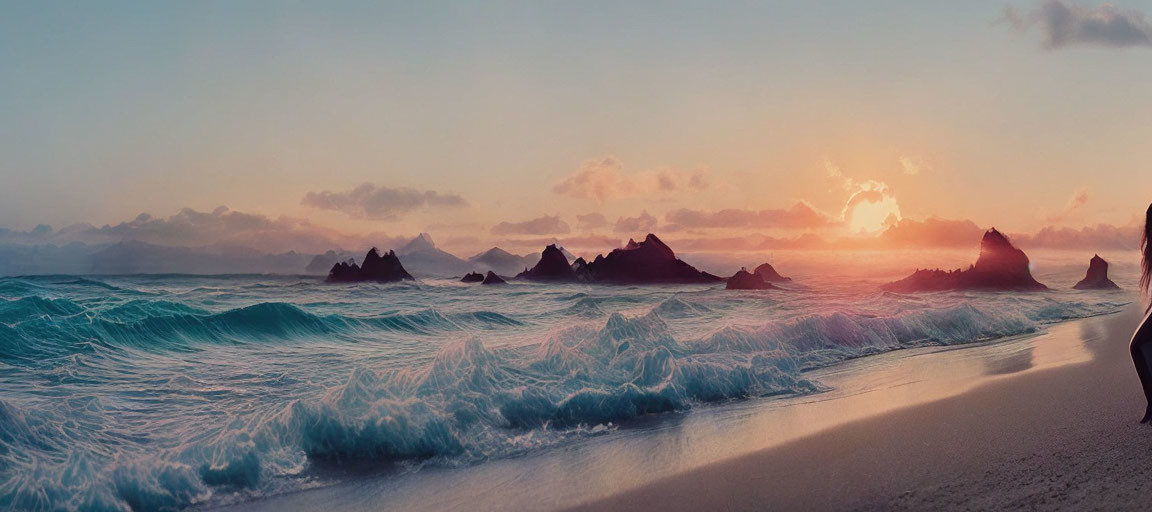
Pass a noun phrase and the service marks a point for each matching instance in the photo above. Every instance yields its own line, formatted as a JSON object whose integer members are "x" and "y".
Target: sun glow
{"x": 872, "y": 216}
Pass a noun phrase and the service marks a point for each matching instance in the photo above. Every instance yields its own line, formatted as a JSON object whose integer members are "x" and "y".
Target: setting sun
{"x": 873, "y": 216}
{"x": 472, "y": 256}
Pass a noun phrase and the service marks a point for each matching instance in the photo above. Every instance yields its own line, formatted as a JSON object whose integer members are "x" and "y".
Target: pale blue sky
{"x": 108, "y": 109}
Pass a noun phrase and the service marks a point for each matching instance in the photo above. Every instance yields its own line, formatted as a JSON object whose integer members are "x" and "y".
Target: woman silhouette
{"x": 1142, "y": 341}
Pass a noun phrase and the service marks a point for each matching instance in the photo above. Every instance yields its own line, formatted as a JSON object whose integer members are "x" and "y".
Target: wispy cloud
{"x": 1065, "y": 23}
{"x": 370, "y": 201}
{"x": 912, "y": 166}
{"x": 1075, "y": 203}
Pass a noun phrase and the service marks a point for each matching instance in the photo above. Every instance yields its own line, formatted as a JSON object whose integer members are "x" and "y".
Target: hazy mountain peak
{"x": 422, "y": 242}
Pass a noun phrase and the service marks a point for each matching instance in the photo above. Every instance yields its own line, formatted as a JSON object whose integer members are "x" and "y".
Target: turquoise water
{"x": 150, "y": 392}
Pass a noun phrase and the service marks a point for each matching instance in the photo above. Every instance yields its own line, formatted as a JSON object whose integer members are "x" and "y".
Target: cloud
{"x": 1089, "y": 238}
{"x": 370, "y": 201}
{"x": 800, "y": 216}
{"x": 806, "y": 242}
{"x": 1066, "y": 23}
{"x": 591, "y": 221}
{"x": 192, "y": 228}
{"x": 585, "y": 244}
{"x": 837, "y": 174}
{"x": 931, "y": 232}
{"x": 604, "y": 178}
{"x": 1075, "y": 203}
{"x": 912, "y": 166}
{"x": 546, "y": 225}
{"x": 643, "y": 223}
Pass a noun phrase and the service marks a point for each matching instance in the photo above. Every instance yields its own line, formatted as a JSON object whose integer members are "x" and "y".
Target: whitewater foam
{"x": 165, "y": 392}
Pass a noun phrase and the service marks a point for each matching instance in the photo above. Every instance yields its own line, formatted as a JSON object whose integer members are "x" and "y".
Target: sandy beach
{"x": 1044, "y": 421}
{"x": 1057, "y": 439}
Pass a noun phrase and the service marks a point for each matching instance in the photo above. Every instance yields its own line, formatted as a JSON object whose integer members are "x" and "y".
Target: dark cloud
{"x": 1066, "y": 23}
{"x": 591, "y": 221}
{"x": 370, "y": 201}
{"x": 799, "y": 216}
{"x": 643, "y": 223}
{"x": 546, "y": 225}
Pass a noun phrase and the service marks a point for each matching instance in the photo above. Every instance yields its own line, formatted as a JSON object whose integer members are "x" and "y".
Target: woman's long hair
{"x": 1146, "y": 254}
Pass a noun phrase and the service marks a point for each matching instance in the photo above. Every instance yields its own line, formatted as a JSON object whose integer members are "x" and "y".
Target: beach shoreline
{"x": 1054, "y": 439}
{"x": 895, "y": 430}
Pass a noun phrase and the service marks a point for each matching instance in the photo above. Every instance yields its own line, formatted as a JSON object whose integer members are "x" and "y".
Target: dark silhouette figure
{"x": 1141, "y": 346}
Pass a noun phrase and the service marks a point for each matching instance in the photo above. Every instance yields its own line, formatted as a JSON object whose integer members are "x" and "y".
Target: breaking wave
{"x": 134, "y": 404}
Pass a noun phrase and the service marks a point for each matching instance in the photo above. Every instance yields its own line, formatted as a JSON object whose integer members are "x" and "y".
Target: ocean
{"x": 161, "y": 392}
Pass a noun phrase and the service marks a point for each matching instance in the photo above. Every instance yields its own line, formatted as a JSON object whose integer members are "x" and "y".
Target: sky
{"x": 589, "y": 122}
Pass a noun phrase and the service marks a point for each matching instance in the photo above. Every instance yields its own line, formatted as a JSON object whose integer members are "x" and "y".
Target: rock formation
{"x": 1097, "y": 277}
{"x": 744, "y": 280}
{"x": 553, "y": 266}
{"x": 386, "y": 268}
{"x": 650, "y": 261}
{"x": 492, "y": 278}
{"x": 472, "y": 277}
{"x": 647, "y": 262}
{"x": 769, "y": 274}
{"x": 1001, "y": 266}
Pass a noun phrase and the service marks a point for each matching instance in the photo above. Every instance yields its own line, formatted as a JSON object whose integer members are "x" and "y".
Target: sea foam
{"x": 168, "y": 393}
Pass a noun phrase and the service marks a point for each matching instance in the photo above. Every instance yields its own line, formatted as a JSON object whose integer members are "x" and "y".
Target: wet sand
{"x": 1063, "y": 438}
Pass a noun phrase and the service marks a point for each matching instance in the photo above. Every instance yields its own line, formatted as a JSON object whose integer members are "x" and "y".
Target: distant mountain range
{"x": 420, "y": 256}
{"x": 423, "y": 258}
{"x": 503, "y": 262}
{"x": 134, "y": 257}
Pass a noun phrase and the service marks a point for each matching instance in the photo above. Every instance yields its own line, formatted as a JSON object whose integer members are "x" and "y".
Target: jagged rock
{"x": 472, "y": 277}
{"x": 650, "y": 261}
{"x": 345, "y": 271}
{"x": 744, "y": 280}
{"x": 553, "y": 266}
{"x": 1097, "y": 276}
{"x": 769, "y": 274}
{"x": 647, "y": 262}
{"x": 1001, "y": 266}
{"x": 386, "y": 268}
{"x": 492, "y": 278}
